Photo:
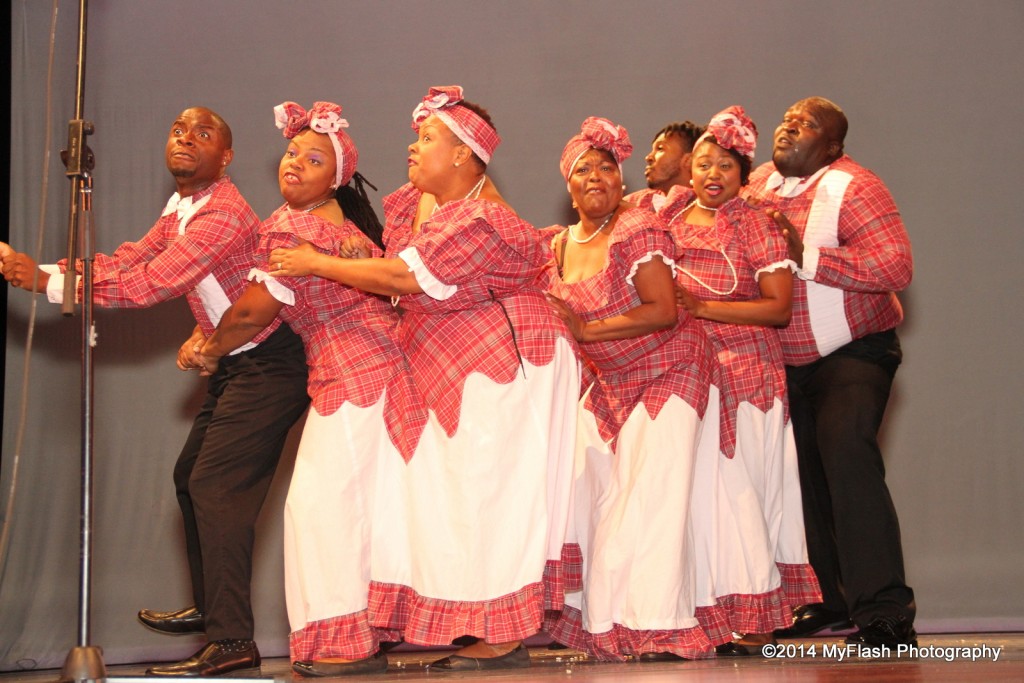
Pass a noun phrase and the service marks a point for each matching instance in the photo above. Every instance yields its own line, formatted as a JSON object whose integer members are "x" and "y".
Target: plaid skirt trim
{"x": 349, "y": 636}
{"x": 745, "y": 613}
{"x": 566, "y": 627}
{"x": 399, "y": 612}
{"x": 800, "y": 584}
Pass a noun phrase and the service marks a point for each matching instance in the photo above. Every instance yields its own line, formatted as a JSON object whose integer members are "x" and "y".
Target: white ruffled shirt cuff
{"x": 55, "y": 286}
{"x": 430, "y": 285}
{"x": 810, "y": 268}
{"x": 277, "y": 290}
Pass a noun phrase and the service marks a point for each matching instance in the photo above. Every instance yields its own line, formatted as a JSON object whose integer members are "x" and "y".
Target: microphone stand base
{"x": 83, "y": 663}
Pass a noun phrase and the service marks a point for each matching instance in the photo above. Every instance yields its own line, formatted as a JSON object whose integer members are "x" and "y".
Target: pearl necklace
{"x": 711, "y": 209}
{"x": 318, "y": 205}
{"x": 705, "y": 285}
{"x": 593, "y": 234}
{"x": 474, "y": 193}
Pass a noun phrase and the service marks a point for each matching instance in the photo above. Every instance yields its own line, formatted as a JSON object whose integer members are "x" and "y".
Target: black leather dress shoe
{"x": 519, "y": 658}
{"x": 734, "y": 649}
{"x": 885, "y": 632}
{"x": 179, "y": 622}
{"x": 216, "y": 658}
{"x": 811, "y": 619}
{"x": 375, "y": 664}
{"x": 649, "y": 657}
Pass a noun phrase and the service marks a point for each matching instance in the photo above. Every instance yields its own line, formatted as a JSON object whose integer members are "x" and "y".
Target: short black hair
{"x": 688, "y": 130}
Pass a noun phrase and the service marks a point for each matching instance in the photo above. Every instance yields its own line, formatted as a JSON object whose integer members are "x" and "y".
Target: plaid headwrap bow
{"x": 443, "y": 102}
{"x": 323, "y": 117}
{"x": 596, "y": 133}
{"x": 732, "y": 129}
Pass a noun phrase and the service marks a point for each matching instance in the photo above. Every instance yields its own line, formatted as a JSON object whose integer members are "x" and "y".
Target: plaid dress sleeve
{"x": 479, "y": 237}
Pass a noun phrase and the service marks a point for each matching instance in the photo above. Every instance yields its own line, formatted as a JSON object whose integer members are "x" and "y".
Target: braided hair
{"x": 355, "y": 204}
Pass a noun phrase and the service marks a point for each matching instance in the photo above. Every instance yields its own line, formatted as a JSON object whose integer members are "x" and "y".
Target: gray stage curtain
{"x": 932, "y": 90}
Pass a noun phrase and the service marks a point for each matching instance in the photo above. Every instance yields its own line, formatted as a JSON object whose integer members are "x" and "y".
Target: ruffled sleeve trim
{"x": 274, "y": 286}
{"x": 311, "y": 228}
{"x": 647, "y": 259}
{"x": 634, "y": 221}
{"x": 430, "y": 285}
{"x": 771, "y": 267}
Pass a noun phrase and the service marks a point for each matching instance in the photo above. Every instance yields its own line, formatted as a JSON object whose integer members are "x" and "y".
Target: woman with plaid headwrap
{"x": 365, "y": 408}
{"x": 736, "y": 277}
{"x": 476, "y": 519}
{"x": 640, "y": 420}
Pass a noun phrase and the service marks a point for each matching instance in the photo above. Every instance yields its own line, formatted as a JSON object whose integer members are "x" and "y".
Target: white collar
{"x": 177, "y": 204}
{"x": 793, "y": 185}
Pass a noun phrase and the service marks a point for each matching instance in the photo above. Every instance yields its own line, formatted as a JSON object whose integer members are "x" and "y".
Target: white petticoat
{"x": 476, "y": 516}
{"x": 632, "y": 520}
{"x": 747, "y": 511}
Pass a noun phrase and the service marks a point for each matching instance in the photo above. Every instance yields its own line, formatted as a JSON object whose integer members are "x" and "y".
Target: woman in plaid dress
{"x": 640, "y": 421}
{"x": 365, "y": 408}
{"x": 476, "y": 520}
{"x": 736, "y": 277}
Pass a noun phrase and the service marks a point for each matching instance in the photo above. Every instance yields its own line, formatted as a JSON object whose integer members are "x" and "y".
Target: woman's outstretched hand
{"x": 300, "y": 260}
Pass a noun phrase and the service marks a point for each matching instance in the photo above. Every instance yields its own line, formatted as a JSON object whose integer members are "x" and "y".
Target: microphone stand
{"x": 84, "y": 662}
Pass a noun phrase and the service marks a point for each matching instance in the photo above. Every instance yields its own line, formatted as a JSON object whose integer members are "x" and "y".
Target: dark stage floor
{"x": 941, "y": 657}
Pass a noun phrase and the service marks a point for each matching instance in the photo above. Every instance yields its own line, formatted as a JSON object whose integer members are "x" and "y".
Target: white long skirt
{"x": 632, "y": 519}
{"x": 748, "y": 518}
{"x": 468, "y": 526}
{"x": 328, "y": 513}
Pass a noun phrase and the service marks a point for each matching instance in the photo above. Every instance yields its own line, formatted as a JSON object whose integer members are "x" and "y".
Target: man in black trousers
{"x": 203, "y": 247}
{"x": 841, "y": 351}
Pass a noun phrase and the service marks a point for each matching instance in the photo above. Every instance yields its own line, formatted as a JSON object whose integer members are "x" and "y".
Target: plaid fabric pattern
{"x": 715, "y": 623}
{"x": 800, "y": 584}
{"x": 220, "y": 239}
{"x": 430, "y": 621}
{"x": 614, "y": 645}
{"x": 871, "y": 263}
{"x": 643, "y": 199}
{"x": 399, "y": 612}
{"x": 562, "y": 576}
{"x": 348, "y": 636}
{"x": 350, "y": 336}
{"x": 498, "y": 312}
{"x": 649, "y": 368}
{"x": 443, "y": 101}
{"x": 749, "y": 613}
{"x": 595, "y": 133}
{"x": 749, "y": 357}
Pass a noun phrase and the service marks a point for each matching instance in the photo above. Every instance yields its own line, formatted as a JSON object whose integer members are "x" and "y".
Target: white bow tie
{"x": 793, "y": 185}
{"x": 177, "y": 205}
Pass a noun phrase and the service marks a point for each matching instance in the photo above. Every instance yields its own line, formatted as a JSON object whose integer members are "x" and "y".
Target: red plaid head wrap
{"x": 324, "y": 117}
{"x": 596, "y": 133}
{"x": 732, "y": 129}
{"x": 443, "y": 102}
